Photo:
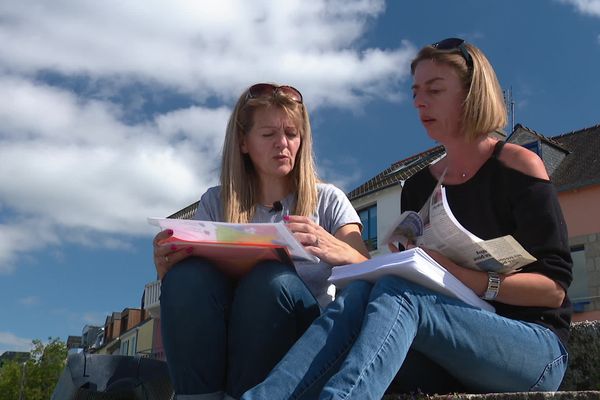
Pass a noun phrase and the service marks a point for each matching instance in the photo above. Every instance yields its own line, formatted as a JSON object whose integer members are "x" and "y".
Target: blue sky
{"x": 115, "y": 111}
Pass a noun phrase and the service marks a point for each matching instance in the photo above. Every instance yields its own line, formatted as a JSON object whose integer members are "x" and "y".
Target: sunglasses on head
{"x": 454, "y": 44}
{"x": 267, "y": 90}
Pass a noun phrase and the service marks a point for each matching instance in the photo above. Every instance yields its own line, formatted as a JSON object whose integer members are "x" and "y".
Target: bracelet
{"x": 493, "y": 286}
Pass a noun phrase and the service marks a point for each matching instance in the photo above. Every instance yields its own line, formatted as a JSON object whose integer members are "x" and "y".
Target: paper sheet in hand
{"x": 236, "y": 248}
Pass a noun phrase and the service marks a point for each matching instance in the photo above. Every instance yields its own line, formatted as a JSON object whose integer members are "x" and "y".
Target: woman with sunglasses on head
{"x": 222, "y": 335}
{"x": 400, "y": 333}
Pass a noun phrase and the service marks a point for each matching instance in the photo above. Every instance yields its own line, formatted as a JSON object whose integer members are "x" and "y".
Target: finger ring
{"x": 317, "y": 242}
{"x": 167, "y": 259}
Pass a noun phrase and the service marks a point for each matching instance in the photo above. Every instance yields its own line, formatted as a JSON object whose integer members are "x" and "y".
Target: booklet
{"x": 235, "y": 248}
{"x": 436, "y": 228}
{"x": 414, "y": 265}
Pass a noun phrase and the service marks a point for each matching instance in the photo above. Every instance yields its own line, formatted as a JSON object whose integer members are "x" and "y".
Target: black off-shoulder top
{"x": 500, "y": 201}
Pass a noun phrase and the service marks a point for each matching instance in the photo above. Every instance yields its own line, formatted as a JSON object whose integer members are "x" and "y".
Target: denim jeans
{"x": 224, "y": 336}
{"x": 363, "y": 339}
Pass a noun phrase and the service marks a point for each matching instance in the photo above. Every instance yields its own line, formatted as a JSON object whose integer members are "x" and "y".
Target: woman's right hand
{"x": 166, "y": 255}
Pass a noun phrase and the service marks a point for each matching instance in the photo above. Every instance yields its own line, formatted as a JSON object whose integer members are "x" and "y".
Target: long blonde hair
{"x": 484, "y": 110}
{"x": 239, "y": 180}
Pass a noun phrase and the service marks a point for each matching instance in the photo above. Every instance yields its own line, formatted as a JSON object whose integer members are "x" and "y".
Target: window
{"x": 534, "y": 146}
{"x": 368, "y": 218}
{"x": 578, "y": 291}
{"x": 124, "y": 348}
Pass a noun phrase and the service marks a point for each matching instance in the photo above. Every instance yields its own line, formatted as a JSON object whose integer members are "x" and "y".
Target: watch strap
{"x": 493, "y": 286}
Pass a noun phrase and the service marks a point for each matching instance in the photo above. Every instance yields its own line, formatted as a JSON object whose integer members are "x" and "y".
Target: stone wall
{"x": 581, "y": 382}
{"x": 584, "y": 357}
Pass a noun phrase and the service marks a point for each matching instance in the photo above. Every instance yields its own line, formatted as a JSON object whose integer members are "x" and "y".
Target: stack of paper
{"x": 235, "y": 248}
{"x": 414, "y": 265}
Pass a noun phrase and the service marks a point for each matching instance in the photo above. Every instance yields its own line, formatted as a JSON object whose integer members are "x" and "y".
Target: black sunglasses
{"x": 267, "y": 90}
{"x": 453, "y": 44}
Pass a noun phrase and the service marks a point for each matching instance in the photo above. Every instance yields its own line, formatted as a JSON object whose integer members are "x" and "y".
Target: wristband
{"x": 493, "y": 286}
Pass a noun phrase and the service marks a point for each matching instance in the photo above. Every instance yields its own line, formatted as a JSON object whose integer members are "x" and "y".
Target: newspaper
{"x": 435, "y": 227}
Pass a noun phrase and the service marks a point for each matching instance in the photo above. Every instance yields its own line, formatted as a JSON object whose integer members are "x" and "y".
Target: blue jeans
{"x": 362, "y": 340}
{"x": 224, "y": 336}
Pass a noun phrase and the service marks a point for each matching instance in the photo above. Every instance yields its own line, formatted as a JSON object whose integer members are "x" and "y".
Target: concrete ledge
{"x": 583, "y": 395}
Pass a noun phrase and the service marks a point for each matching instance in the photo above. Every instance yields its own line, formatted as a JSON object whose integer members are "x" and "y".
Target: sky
{"x": 112, "y": 112}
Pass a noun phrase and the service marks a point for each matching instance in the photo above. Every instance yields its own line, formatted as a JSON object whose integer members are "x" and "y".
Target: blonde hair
{"x": 484, "y": 110}
{"x": 239, "y": 180}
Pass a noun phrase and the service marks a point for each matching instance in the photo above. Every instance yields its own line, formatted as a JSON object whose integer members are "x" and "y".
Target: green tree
{"x": 10, "y": 378}
{"x": 35, "y": 378}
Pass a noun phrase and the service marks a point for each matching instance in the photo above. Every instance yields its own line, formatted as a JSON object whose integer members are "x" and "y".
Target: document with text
{"x": 235, "y": 247}
{"x": 435, "y": 227}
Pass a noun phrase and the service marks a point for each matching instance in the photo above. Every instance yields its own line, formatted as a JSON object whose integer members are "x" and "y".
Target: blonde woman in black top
{"x": 397, "y": 332}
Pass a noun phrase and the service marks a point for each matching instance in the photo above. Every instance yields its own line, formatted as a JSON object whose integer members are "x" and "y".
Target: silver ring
{"x": 166, "y": 259}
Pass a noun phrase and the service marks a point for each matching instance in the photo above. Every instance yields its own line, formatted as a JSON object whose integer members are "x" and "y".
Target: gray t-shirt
{"x": 333, "y": 211}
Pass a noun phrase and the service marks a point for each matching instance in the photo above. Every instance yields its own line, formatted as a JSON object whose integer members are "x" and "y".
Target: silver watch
{"x": 493, "y": 286}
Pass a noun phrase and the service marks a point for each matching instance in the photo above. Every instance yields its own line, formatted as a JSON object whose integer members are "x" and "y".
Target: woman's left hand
{"x": 324, "y": 245}
{"x": 465, "y": 275}
{"x": 436, "y": 255}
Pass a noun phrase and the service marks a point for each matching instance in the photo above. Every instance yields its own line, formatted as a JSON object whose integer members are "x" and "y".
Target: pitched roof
{"x": 543, "y": 138}
{"x": 582, "y": 166}
{"x": 397, "y": 172}
{"x": 187, "y": 212}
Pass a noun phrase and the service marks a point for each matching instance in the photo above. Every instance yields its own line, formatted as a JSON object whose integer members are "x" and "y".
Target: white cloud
{"x": 91, "y": 143}
{"x": 29, "y": 300}
{"x": 10, "y": 342}
{"x": 20, "y": 236}
{"x": 587, "y": 7}
{"x": 74, "y": 164}
{"x": 341, "y": 173}
{"x": 202, "y": 49}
